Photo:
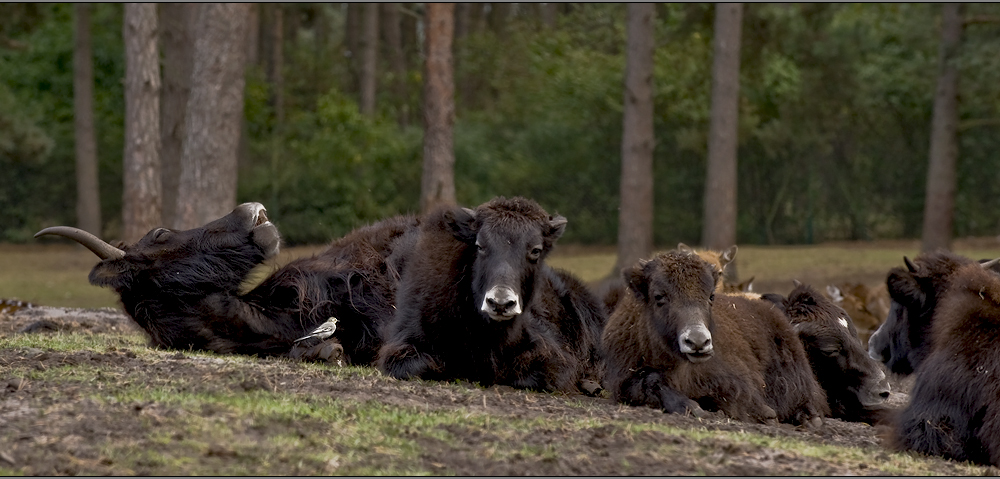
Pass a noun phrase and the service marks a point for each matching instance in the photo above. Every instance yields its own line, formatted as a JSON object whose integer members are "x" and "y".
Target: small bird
{"x": 324, "y": 330}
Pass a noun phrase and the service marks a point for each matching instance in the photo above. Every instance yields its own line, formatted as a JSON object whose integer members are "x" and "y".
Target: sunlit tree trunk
{"x": 635, "y": 216}
{"x": 215, "y": 108}
{"x": 141, "y": 199}
{"x": 939, "y": 202}
{"x": 369, "y": 59}
{"x": 177, "y": 42}
{"x": 719, "y": 219}
{"x": 438, "y": 183}
{"x": 88, "y": 199}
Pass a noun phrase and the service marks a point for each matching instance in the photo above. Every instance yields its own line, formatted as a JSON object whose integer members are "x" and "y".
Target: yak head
{"x": 902, "y": 342}
{"x": 677, "y": 289}
{"x": 511, "y": 238}
{"x": 171, "y": 263}
{"x": 853, "y": 381}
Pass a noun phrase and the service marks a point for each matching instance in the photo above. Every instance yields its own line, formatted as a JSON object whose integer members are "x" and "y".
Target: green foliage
{"x": 329, "y": 169}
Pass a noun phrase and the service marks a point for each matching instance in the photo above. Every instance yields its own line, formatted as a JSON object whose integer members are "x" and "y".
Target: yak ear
{"x": 462, "y": 222}
{"x": 728, "y": 256}
{"x": 777, "y": 299}
{"x": 113, "y": 273}
{"x": 557, "y": 226}
{"x": 636, "y": 281}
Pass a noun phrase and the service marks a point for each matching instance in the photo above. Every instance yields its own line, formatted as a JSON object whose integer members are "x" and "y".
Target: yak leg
{"x": 403, "y": 361}
{"x": 647, "y": 386}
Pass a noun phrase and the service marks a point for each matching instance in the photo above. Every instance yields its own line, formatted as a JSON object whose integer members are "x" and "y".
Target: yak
{"x": 954, "y": 408}
{"x": 183, "y": 287}
{"x": 677, "y": 344}
{"x": 478, "y": 302}
{"x": 902, "y": 341}
{"x": 855, "y": 385}
{"x": 867, "y": 306}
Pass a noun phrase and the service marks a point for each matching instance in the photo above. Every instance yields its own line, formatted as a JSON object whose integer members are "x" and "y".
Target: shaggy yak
{"x": 856, "y": 388}
{"x": 868, "y": 307}
{"x": 944, "y": 326}
{"x": 182, "y": 287}
{"x": 478, "y": 302}
{"x": 903, "y": 340}
{"x": 676, "y": 344}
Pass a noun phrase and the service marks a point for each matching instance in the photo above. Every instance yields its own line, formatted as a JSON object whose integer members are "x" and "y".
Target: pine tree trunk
{"x": 141, "y": 199}
{"x": 397, "y": 61}
{"x": 214, "y": 112}
{"x": 177, "y": 40}
{"x": 939, "y": 203}
{"x": 88, "y": 199}
{"x": 369, "y": 59}
{"x": 635, "y": 220}
{"x": 438, "y": 183}
{"x": 719, "y": 220}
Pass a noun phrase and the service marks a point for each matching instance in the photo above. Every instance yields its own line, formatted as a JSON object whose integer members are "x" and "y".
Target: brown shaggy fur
{"x": 758, "y": 372}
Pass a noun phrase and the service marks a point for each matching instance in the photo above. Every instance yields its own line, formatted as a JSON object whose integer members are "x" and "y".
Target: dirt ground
{"x": 66, "y": 439}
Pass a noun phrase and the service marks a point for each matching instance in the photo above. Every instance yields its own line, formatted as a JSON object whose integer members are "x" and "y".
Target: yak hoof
{"x": 329, "y": 351}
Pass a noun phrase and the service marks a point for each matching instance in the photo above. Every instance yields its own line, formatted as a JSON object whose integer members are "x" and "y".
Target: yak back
{"x": 353, "y": 280}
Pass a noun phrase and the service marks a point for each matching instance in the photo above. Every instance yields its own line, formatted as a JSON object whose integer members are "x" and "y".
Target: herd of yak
{"x": 465, "y": 294}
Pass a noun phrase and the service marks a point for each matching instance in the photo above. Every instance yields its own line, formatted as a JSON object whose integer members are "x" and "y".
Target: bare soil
{"x": 48, "y": 427}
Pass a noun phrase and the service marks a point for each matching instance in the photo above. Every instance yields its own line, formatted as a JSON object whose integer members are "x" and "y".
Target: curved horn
{"x": 989, "y": 264}
{"x": 909, "y": 265}
{"x": 102, "y": 249}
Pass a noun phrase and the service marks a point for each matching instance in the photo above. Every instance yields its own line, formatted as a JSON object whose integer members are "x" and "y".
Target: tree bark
{"x": 719, "y": 220}
{"x": 369, "y": 59}
{"x": 276, "y": 74}
{"x": 141, "y": 199}
{"x": 438, "y": 183}
{"x": 635, "y": 217}
{"x": 391, "y": 28}
{"x": 215, "y": 108}
{"x": 352, "y": 44}
{"x": 88, "y": 199}
{"x": 177, "y": 42}
{"x": 939, "y": 203}
{"x": 253, "y": 35}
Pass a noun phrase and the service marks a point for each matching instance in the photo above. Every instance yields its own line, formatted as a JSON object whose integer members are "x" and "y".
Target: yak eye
{"x": 831, "y": 352}
{"x": 480, "y": 247}
{"x": 160, "y": 234}
{"x": 711, "y": 297}
{"x": 535, "y": 253}
{"x": 659, "y": 298}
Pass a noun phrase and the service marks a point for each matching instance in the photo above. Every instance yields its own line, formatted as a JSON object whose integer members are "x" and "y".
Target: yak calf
{"x": 677, "y": 344}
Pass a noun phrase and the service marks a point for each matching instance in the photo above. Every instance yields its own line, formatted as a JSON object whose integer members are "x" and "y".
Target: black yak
{"x": 954, "y": 408}
{"x": 182, "y": 287}
{"x": 478, "y": 302}
{"x": 677, "y": 344}
{"x": 855, "y": 385}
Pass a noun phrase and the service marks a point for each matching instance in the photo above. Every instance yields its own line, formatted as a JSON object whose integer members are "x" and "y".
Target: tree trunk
{"x": 88, "y": 199}
{"x": 369, "y": 60}
{"x": 276, "y": 74}
{"x": 352, "y": 44}
{"x": 548, "y": 12}
{"x": 719, "y": 220}
{"x": 939, "y": 205}
{"x": 215, "y": 109}
{"x": 500, "y": 13}
{"x": 141, "y": 200}
{"x": 253, "y": 35}
{"x": 397, "y": 60}
{"x": 438, "y": 183}
{"x": 177, "y": 41}
{"x": 635, "y": 217}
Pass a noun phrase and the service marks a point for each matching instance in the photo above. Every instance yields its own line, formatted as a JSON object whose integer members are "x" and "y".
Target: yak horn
{"x": 102, "y": 249}
{"x": 989, "y": 264}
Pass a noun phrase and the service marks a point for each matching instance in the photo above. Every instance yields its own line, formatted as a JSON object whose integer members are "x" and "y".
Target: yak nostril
{"x": 498, "y": 307}
{"x": 884, "y": 394}
{"x": 697, "y": 345}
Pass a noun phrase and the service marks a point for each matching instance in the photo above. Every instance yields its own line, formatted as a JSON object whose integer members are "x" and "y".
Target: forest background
{"x": 835, "y": 109}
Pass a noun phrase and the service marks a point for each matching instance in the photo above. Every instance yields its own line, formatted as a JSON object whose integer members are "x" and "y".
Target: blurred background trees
{"x": 833, "y": 137}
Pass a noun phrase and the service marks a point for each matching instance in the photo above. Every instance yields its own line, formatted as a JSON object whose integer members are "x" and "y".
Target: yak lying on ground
{"x": 676, "y": 344}
{"x": 954, "y": 408}
{"x": 856, "y": 388}
{"x": 902, "y": 341}
{"x": 478, "y": 302}
{"x": 182, "y": 287}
